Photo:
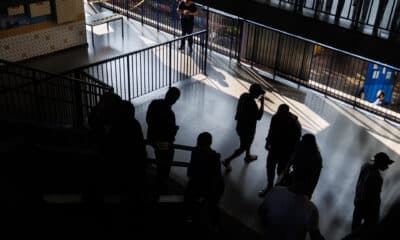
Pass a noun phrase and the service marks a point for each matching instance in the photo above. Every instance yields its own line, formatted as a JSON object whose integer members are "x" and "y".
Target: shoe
{"x": 250, "y": 158}
{"x": 227, "y": 166}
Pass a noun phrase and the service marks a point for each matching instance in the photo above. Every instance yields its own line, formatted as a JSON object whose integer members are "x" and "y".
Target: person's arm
{"x": 261, "y": 109}
{"x": 180, "y": 8}
{"x": 271, "y": 134}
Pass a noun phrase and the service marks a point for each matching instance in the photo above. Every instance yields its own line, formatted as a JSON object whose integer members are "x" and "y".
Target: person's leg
{"x": 371, "y": 218}
{"x": 246, "y": 144}
{"x": 357, "y": 218}
{"x": 365, "y": 8}
{"x": 328, "y": 6}
{"x": 339, "y": 10}
{"x": 190, "y": 39}
{"x": 271, "y": 168}
{"x": 184, "y": 32}
{"x": 164, "y": 159}
{"x": 356, "y": 14}
{"x": 282, "y": 162}
{"x": 379, "y": 15}
{"x": 395, "y": 25}
{"x": 237, "y": 152}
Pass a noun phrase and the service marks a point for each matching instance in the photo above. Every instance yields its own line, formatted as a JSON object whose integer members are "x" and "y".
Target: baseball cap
{"x": 383, "y": 158}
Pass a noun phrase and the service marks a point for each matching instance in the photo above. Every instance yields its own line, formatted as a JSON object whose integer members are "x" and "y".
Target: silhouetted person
{"x": 284, "y": 133}
{"x": 161, "y": 134}
{"x": 205, "y": 179}
{"x": 307, "y": 163}
{"x": 129, "y": 155}
{"x": 379, "y": 15}
{"x": 387, "y": 227}
{"x": 328, "y": 6}
{"x": 339, "y": 9}
{"x": 367, "y": 199}
{"x": 360, "y": 12}
{"x": 298, "y": 6}
{"x": 102, "y": 117}
{"x": 188, "y": 10}
{"x": 247, "y": 115}
{"x": 287, "y": 214}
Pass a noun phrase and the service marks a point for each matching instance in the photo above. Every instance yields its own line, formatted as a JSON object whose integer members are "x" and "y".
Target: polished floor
{"x": 347, "y": 138}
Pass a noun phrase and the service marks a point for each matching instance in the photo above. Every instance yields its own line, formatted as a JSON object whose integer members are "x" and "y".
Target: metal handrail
{"x": 50, "y": 76}
{"x": 136, "y": 51}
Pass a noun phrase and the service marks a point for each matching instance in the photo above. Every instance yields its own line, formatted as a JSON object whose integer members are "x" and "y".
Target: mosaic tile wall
{"x": 41, "y": 42}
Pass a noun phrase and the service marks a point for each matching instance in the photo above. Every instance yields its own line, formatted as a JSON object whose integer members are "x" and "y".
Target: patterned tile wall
{"x": 41, "y": 42}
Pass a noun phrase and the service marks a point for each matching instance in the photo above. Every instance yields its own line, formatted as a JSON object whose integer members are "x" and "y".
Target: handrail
{"x": 135, "y": 52}
{"x": 48, "y": 77}
{"x": 175, "y": 146}
{"x": 174, "y": 163}
{"x": 213, "y": 10}
{"x": 322, "y": 45}
{"x": 216, "y": 11}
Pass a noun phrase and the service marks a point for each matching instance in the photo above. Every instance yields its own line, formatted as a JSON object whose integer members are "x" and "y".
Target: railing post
{"x": 254, "y": 47}
{"x": 231, "y": 39}
{"x": 170, "y": 66}
{"x": 76, "y": 87}
{"x": 36, "y": 96}
{"x": 142, "y": 7}
{"x": 158, "y": 15}
{"x": 240, "y": 39}
{"x": 206, "y": 43}
{"x": 329, "y": 76}
{"x": 129, "y": 77}
{"x": 276, "y": 56}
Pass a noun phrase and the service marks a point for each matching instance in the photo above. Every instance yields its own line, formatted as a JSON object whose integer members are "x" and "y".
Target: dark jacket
{"x": 284, "y": 132}
{"x": 161, "y": 122}
{"x": 247, "y": 114}
{"x": 204, "y": 172}
{"x": 369, "y": 186}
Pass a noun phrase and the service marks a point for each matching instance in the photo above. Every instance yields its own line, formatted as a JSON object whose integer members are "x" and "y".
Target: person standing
{"x": 188, "y": 10}
{"x": 379, "y": 15}
{"x": 339, "y": 10}
{"x": 284, "y": 133}
{"x": 161, "y": 134}
{"x": 247, "y": 115}
{"x": 360, "y": 12}
{"x": 367, "y": 199}
{"x": 205, "y": 178}
{"x": 307, "y": 163}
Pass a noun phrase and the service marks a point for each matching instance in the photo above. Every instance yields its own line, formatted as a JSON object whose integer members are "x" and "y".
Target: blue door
{"x": 379, "y": 78}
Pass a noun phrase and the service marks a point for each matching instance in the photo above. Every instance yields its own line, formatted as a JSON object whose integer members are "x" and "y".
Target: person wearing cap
{"x": 247, "y": 115}
{"x": 367, "y": 198}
